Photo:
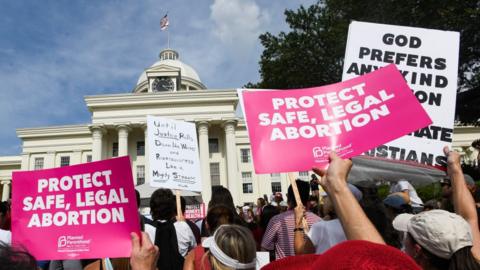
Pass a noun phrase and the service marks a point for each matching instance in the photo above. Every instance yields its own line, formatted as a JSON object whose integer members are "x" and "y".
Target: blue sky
{"x": 53, "y": 53}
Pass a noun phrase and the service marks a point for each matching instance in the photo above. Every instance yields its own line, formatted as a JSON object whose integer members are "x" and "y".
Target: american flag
{"x": 164, "y": 22}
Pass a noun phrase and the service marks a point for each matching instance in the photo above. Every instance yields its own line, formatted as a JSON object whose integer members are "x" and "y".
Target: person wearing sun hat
{"x": 438, "y": 232}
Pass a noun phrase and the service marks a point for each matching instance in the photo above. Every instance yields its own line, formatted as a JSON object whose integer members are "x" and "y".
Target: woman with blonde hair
{"x": 230, "y": 247}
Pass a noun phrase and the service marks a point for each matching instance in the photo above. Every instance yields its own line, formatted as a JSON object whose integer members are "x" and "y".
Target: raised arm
{"x": 462, "y": 198}
{"x": 354, "y": 221}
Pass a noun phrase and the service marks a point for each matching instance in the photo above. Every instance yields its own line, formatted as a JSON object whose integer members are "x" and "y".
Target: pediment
{"x": 163, "y": 67}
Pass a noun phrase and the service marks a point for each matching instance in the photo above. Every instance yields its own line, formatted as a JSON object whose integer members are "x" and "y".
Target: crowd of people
{"x": 337, "y": 226}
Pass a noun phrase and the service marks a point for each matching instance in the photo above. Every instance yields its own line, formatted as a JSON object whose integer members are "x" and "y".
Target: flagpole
{"x": 168, "y": 39}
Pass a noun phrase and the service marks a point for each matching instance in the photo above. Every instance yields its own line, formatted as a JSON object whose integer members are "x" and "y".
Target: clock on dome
{"x": 162, "y": 84}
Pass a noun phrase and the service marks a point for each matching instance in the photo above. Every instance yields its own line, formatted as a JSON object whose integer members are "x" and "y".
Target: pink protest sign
{"x": 75, "y": 212}
{"x": 195, "y": 211}
{"x": 293, "y": 130}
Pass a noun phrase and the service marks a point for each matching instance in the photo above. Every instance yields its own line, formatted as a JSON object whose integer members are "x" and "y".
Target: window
{"x": 141, "y": 148}
{"x": 115, "y": 149}
{"x": 64, "y": 161}
{"x": 245, "y": 155}
{"x": 215, "y": 173}
{"x": 276, "y": 184}
{"x": 38, "y": 163}
{"x": 89, "y": 158}
{"x": 303, "y": 175}
{"x": 140, "y": 174}
{"x": 213, "y": 145}
{"x": 276, "y": 187}
{"x": 247, "y": 176}
{"x": 275, "y": 177}
{"x": 247, "y": 182}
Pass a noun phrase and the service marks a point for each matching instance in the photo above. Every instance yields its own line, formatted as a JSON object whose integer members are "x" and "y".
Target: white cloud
{"x": 238, "y": 23}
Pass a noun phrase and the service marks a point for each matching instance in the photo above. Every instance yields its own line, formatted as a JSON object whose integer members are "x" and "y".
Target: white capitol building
{"x": 168, "y": 88}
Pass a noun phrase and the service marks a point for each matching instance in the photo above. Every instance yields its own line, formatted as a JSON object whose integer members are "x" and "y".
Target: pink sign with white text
{"x": 294, "y": 130}
{"x": 75, "y": 212}
{"x": 195, "y": 211}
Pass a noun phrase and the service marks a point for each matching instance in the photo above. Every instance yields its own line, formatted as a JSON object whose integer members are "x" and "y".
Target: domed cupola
{"x": 168, "y": 74}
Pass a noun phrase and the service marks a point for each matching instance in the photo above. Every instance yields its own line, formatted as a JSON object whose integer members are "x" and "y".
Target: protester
{"x": 173, "y": 237}
{"x": 438, "y": 239}
{"x": 323, "y": 234}
{"x": 313, "y": 205}
{"x": 314, "y": 185}
{"x": 231, "y": 247}
{"x": 250, "y": 219}
{"x": 217, "y": 215}
{"x": 410, "y": 193}
{"x": 260, "y": 205}
{"x": 221, "y": 195}
{"x": 279, "y": 235}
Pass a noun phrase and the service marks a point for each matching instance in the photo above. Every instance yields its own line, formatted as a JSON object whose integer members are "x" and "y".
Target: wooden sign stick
{"x": 180, "y": 216}
{"x": 297, "y": 199}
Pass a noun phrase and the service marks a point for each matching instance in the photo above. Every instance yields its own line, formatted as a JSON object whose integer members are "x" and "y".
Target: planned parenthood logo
{"x": 73, "y": 244}
{"x": 321, "y": 153}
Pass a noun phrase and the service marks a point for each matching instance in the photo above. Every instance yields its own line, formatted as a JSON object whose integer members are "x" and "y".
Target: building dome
{"x": 169, "y": 61}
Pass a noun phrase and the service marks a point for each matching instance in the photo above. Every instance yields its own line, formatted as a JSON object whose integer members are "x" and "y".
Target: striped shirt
{"x": 279, "y": 235}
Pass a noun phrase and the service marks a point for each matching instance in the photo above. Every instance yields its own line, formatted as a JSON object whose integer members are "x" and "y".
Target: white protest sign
{"x": 428, "y": 60}
{"x": 173, "y": 154}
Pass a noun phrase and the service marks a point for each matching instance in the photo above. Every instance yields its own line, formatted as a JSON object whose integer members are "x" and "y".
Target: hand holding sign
{"x": 334, "y": 177}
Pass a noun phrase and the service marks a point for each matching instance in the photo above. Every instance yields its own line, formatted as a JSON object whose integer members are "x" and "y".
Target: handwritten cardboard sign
{"x": 75, "y": 212}
{"x": 428, "y": 60}
{"x": 173, "y": 154}
{"x": 293, "y": 130}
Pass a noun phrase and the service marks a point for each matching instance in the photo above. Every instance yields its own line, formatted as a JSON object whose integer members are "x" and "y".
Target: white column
{"x": 97, "y": 135}
{"x": 123, "y": 140}
{"x": 232, "y": 165}
{"x": 6, "y": 190}
{"x": 147, "y": 157}
{"x": 204, "y": 161}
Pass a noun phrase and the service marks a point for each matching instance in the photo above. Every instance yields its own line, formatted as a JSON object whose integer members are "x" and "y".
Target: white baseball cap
{"x": 438, "y": 231}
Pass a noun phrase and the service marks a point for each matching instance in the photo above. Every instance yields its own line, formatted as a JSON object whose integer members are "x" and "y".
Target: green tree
{"x": 311, "y": 54}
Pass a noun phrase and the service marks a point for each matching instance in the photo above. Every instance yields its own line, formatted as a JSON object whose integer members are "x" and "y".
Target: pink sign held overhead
{"x": 75, "y": 212}
{"x": 293, "y": 130}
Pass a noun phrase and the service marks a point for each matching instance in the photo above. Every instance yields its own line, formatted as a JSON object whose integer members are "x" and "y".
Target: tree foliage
{"x": 311, "y": 54}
